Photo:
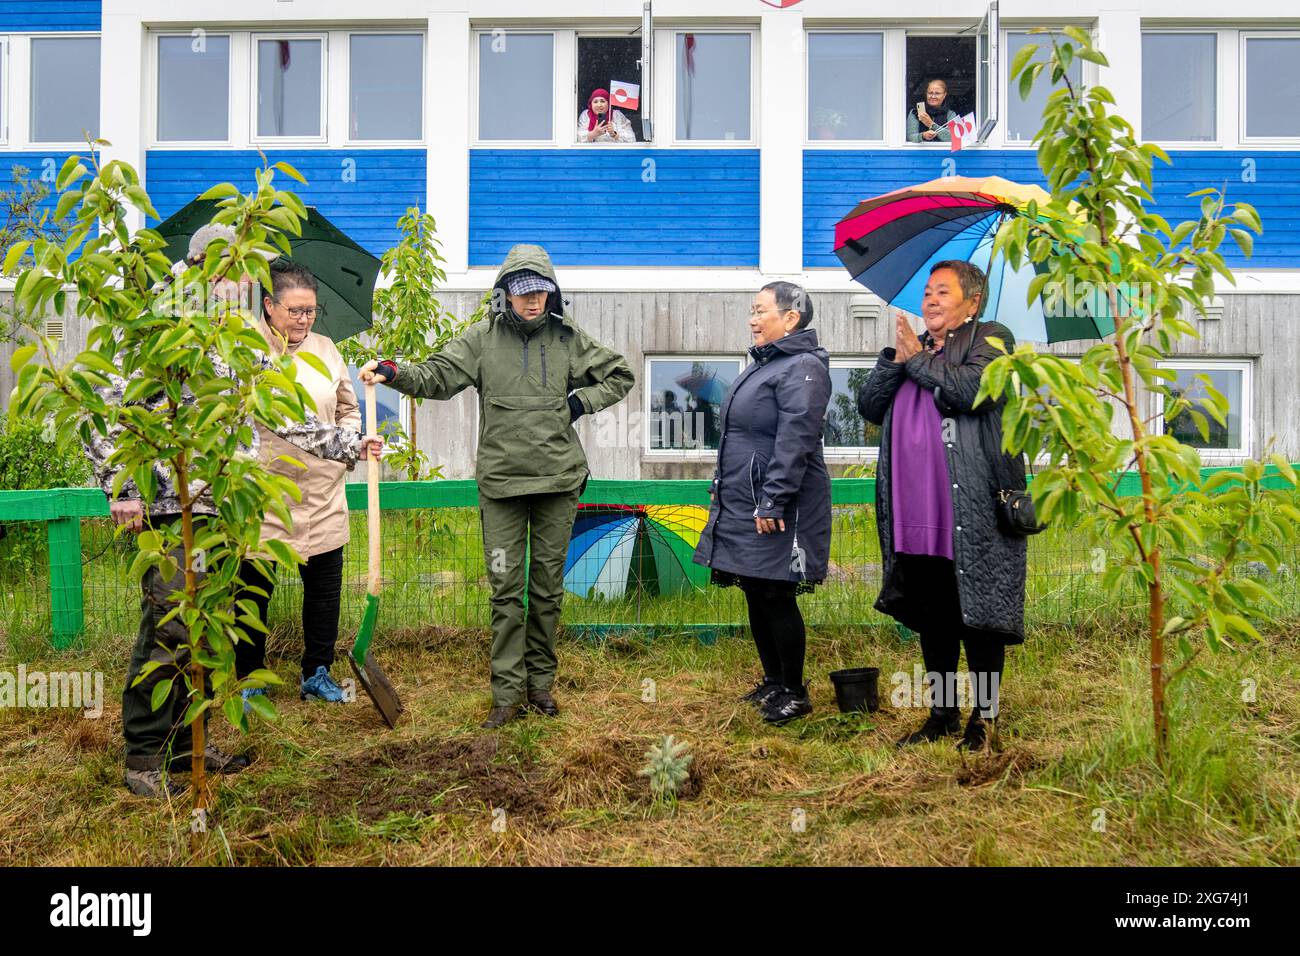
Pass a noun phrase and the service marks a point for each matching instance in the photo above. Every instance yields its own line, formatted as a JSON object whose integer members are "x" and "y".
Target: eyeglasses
{"x": 755, "y": 313}
{"x": 310, "y": 313}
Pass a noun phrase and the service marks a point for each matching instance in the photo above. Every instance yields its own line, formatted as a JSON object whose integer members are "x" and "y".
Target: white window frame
{"x": 4, "y": 90}
{"x": 901, "y": 116}
{"x": 153, "y": 76}
{"x": 254, "y": 39}
{"x": 755, "y": 90}
{"x": 885, "y": 66}
{"x": 678, "y": 454}
{"x": 559, "y": 44}
{"x": 1288, "y": 142}
{"x": 26, "y": 142}
{"x": 1222, "y": 119}
{"x": 597, "y": 35}
{"x": 1247, "y": 412}
{"x": 1010, "y": 91}
{"x": 853, "y": 453}
{"x": 345, "y": 58}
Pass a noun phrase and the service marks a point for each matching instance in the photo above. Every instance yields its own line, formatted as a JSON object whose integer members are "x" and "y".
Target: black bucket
{"x": 856, "y": 689}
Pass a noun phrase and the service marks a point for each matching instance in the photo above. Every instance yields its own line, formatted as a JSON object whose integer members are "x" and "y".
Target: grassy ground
{"x": 1074, "y": 782}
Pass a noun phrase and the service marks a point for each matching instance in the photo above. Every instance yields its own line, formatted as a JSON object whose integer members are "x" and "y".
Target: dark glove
{"x": 387, "y": 370}
{"x": 576, "y": 408}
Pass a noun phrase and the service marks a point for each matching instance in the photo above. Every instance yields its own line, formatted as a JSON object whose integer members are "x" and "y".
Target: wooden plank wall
{"x": 44, "y": 16}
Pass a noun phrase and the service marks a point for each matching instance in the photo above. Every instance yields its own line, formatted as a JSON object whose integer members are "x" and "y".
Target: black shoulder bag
{"x": 1016, "y": 515}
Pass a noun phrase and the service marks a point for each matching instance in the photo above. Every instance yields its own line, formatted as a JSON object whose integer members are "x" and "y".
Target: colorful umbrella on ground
{"x": 345, "y": 271}
{"x": 890, "y": 242}
{"x": 617, "y": 549}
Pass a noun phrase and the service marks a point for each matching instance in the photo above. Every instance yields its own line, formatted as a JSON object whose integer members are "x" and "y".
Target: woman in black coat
{"x": 769, "y": 528}
{"x": 949, "y": 570}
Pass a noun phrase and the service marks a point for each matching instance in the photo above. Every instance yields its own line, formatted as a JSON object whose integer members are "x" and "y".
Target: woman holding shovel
{"x": 320, "y": 519}
{"x": 536, "y": 372}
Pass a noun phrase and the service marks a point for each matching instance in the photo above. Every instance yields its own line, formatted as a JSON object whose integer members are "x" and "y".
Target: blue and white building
{"x": 759, "y": 124}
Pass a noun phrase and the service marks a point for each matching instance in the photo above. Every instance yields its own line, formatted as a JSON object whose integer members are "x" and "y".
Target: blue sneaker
{"x": 248, "y": 692}
{"x": 321, "y": 685}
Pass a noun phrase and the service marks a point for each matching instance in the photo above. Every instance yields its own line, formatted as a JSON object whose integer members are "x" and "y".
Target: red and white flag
{"x": 626, "y": 96}
{"x": 962, "y": 129}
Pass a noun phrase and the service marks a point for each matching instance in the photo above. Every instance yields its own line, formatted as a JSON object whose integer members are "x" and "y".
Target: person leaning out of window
{"x": 600, "y": 123}
{"x": 927, "y": 121}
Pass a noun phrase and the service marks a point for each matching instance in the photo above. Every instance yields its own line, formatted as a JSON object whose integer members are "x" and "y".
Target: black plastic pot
{"x": 857, "y": 688}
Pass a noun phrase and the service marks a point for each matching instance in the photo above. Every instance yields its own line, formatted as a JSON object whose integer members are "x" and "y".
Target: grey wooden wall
{"x": 1264, "y": 328}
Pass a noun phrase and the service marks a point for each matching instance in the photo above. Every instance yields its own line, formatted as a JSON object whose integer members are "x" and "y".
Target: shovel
{"x": 370, "y": 675}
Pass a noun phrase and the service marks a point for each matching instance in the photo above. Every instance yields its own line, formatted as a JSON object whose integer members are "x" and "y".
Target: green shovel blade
{"x": 367, "y": 632}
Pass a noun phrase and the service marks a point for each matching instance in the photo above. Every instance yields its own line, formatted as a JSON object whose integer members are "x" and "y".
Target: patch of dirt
{"x": 419, "y": 777}
{"x": 988, "y": 767}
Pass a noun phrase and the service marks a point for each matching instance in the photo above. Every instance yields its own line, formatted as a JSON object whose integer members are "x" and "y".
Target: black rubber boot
{"x": 978, "y": 731}
{"x": 942, "y": 722}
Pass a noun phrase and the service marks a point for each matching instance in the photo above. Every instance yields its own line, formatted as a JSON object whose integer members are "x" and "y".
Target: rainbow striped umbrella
{"x": 890, "y": 242}
{"x": 617, "y": 549}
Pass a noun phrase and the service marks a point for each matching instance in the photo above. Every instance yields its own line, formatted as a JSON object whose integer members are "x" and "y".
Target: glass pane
{"x": 685, "y": 401}
{"x": 940, "y": 78}
{"x": 1178, "y": 86}
{"x": 611, "y": 64}
{"x": 288, "y": 87}
{"x": 1227, "y": 381}
{"x": 1272, "y": 86}
{"x": 515, "y": 84}
{"x": 844, "y": 427}
{"x": 65, "y": 89}
{"x": 1025, "y": 117}
{"x": 845, "y": 77}
{"x": 387, "y": 86}
{"x": 713, "y": 86}
{"x": 194, "y": 88}
{"x": 388, "y": 403}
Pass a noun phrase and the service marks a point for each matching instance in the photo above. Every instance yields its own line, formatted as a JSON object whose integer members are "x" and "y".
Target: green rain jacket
{"x": 524, "y": 375}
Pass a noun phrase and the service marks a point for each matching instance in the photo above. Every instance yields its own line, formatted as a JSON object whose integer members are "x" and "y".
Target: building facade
{"x": 751, "y": 127}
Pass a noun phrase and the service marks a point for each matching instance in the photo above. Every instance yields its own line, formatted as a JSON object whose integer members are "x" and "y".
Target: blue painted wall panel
{"x": 44, "y": 16}
{"x": 836, "y": 180}
{"x": 366, "y": 205}
{"x": 690, "y": 207}
{"x": 41, "y": 166}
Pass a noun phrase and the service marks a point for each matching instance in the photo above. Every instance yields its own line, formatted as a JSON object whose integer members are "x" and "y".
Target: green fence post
{"x": 67, "y": 613}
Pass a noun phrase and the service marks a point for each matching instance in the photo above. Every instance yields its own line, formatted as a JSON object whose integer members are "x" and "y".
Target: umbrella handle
{"x": 372, "y": 491}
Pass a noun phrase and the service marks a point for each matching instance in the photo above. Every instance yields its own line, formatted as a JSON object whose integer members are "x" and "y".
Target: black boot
{"x": 977, "y": 733}
{"x": 942, "y": 722}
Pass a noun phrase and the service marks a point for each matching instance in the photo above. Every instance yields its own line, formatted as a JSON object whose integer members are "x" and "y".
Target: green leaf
{"x": 220, "y": 191}
{"x": 161, "y": 691}
{"x": 21, "y": 356}
{"x": 290, "y": 172}
{"x": 1025, "y": 54}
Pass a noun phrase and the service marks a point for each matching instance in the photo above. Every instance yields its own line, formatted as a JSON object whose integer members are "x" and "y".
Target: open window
{"x": 609, "y": 90}
{"x": 986, "y": 79}
{"x": 940, "y": 84}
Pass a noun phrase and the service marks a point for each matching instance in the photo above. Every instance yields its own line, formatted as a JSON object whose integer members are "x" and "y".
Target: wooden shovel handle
{"x": 372, "y": 491}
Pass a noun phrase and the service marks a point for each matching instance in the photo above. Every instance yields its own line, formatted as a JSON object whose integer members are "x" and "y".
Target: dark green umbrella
{"x": 345, "y": 271}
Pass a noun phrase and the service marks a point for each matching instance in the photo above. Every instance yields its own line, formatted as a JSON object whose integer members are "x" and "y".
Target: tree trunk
{"x": 198, "y": 737}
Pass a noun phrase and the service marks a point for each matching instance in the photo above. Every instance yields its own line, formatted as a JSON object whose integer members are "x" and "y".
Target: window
{"x": 611, "y": 64}
{"x": 846, "y": 431}
{"x": 386, "y": 86}
{"x": 194, "y": 88}
{"x": 845, "y": 86}
{"x": 713, "y": 86}
{"x": 290, "y": 88}
{"x": 1178, "y": 87}
{"x": 65, "y": 89}
{"x": 684, "y": 396}
{"x": 940, "y": 83}
{"x": 516, "y": 76}
{"x": 1025, "y": 117}
{"x": 1232, "y": 379}
{"x": 1272, "y": 94}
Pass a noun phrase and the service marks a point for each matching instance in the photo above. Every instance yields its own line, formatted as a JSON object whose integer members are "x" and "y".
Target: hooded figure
{"x": 536, "y": 372}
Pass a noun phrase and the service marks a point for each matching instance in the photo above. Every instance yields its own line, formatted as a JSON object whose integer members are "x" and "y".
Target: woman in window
{"x": 320, "y": 518}
{"x": 927, "y": 122}
{"x": 769, "y": 527}
{"x": 600, "y": 124}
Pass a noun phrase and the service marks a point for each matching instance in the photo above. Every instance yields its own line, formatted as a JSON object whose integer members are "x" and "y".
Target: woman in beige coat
{"x": 320, "y": 520}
